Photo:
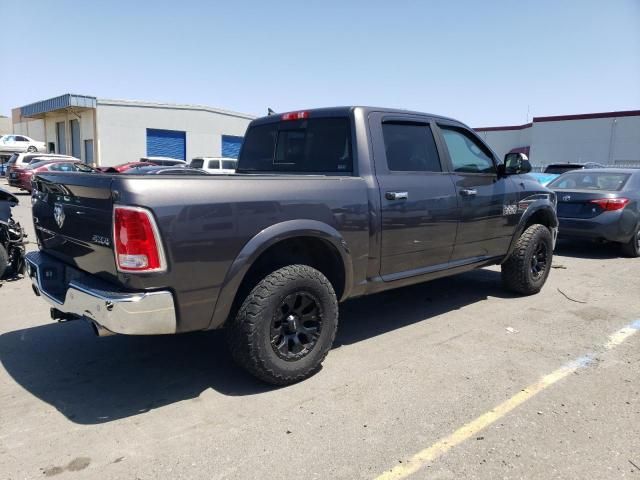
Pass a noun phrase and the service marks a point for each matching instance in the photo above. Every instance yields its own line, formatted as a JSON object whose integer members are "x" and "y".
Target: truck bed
{"x": 204, "y": 223}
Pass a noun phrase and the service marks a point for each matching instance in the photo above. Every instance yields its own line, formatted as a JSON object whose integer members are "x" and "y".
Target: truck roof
{"x": 346, "y": 110}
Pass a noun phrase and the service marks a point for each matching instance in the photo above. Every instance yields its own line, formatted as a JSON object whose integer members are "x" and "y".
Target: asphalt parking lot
{"x": 446, "y": 380}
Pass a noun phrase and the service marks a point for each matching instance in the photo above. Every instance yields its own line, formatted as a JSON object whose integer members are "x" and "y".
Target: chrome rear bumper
{"x": 129, "y": 313}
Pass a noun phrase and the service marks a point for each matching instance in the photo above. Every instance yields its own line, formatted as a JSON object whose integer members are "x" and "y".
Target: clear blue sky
{"x": 483, "y": 62}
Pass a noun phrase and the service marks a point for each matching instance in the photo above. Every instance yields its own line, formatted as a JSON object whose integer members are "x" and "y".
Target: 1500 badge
{"x": 510, "y": 209}
{"x": 100, "y": 240}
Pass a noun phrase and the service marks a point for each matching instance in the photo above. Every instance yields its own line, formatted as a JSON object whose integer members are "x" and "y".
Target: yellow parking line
{"x": 467, "y": 431}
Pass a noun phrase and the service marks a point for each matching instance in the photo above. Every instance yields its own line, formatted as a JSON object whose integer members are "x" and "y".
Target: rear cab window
{"x": 306, "y": 145}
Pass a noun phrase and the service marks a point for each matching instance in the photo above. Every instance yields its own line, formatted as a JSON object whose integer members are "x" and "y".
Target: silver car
{"x": 20, "y": 143}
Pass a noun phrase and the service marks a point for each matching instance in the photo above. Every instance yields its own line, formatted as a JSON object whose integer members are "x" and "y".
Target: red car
{"x": 21, "y": 177}
{"x": 125, "y": 166}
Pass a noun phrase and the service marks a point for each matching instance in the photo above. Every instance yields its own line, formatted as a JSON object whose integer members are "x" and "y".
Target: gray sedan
{"x": 600, "y": 204}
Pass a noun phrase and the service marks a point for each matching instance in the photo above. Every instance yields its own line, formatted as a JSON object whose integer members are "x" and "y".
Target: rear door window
{"x": 410, "y": 147}
{"x": 214, "y": 164}
{"x": 320, "y": 145}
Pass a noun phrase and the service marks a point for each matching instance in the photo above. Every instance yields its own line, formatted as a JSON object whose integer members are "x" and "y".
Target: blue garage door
{"x": 166, "y": 143}
{"x": 231, "y": 146}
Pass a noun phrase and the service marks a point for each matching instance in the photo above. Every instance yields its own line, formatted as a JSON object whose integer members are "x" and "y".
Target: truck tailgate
{"x": 72, "y": 216}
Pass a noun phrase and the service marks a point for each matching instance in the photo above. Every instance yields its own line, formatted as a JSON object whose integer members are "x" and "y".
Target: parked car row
{"x": 22, "y": 166}
{"x": 211, "y": 165}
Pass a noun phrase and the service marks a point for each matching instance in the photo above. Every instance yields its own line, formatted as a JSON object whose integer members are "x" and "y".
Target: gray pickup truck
{"x": 326, "y": 205}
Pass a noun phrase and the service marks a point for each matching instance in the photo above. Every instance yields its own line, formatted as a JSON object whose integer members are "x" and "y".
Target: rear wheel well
{"x": 311, "y": 251}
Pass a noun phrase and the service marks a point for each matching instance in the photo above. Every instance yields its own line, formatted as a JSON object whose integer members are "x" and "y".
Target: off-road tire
{"x": 4, "y": 262}
{"x": 632, "y": 247}
{"x": 249, "y": 333}
{"x": 517, "y": 273}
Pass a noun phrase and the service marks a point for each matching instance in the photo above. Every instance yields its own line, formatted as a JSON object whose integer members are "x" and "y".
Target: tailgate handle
{"x": 397, "y": 195}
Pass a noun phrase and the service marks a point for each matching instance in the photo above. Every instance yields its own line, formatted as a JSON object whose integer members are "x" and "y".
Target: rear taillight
{"x": 295, "y": 116}
{"x": 611, "y": 204}
{"x": 137, "y": 241}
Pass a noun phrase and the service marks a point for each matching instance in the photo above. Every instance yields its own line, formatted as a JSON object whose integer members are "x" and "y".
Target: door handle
{"x": 468, "y": 192}
{"x": 396, "y": 195}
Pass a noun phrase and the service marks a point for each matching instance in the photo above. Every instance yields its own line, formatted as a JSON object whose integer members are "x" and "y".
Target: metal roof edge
{"x": 174, "y": 106}
{"x": 57, "y": 103}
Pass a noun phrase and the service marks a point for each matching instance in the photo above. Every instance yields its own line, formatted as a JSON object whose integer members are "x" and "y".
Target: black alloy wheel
{"x": 539, "y": 260}
{"x": 296, "y": 326}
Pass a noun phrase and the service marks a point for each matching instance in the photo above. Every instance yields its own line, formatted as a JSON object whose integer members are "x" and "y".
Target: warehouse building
{"x": 109, "y": 132}
{"x": 5, "y": 125}
{"x": 610, "y": 138}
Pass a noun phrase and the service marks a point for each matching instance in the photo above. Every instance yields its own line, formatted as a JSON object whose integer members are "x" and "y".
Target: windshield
{"x": 586, "y": 180}
{"x": 197, "y": 163}
{"x": 321, "y": 145}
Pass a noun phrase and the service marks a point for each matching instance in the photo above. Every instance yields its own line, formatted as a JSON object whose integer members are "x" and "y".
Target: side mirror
{"x": 516, "y": 164}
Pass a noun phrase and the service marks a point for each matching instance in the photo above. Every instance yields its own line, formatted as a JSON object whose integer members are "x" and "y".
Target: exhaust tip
{"x": 100, "y": 331}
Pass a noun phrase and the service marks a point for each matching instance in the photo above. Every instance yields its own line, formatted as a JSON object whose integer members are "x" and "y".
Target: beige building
{"x": 5, "y": 125}
{"x": 610, "y": 138}
{"x": 109, "y": 132}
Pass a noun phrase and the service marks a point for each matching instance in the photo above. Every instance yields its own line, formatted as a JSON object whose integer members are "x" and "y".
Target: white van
{"x": 219, "y": 165}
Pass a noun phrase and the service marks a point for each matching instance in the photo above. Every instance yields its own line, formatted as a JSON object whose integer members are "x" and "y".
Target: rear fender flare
{"x": 260, "y": 243}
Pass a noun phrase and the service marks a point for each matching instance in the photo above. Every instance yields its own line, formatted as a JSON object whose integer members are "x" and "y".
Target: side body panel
{"x": 206, "y": 223}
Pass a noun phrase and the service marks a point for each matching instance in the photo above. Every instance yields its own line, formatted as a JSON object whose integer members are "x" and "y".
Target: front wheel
{"x": 527, "y": 268}
{"x": 32, "y": 149}
{"x": 286, "y": 325}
